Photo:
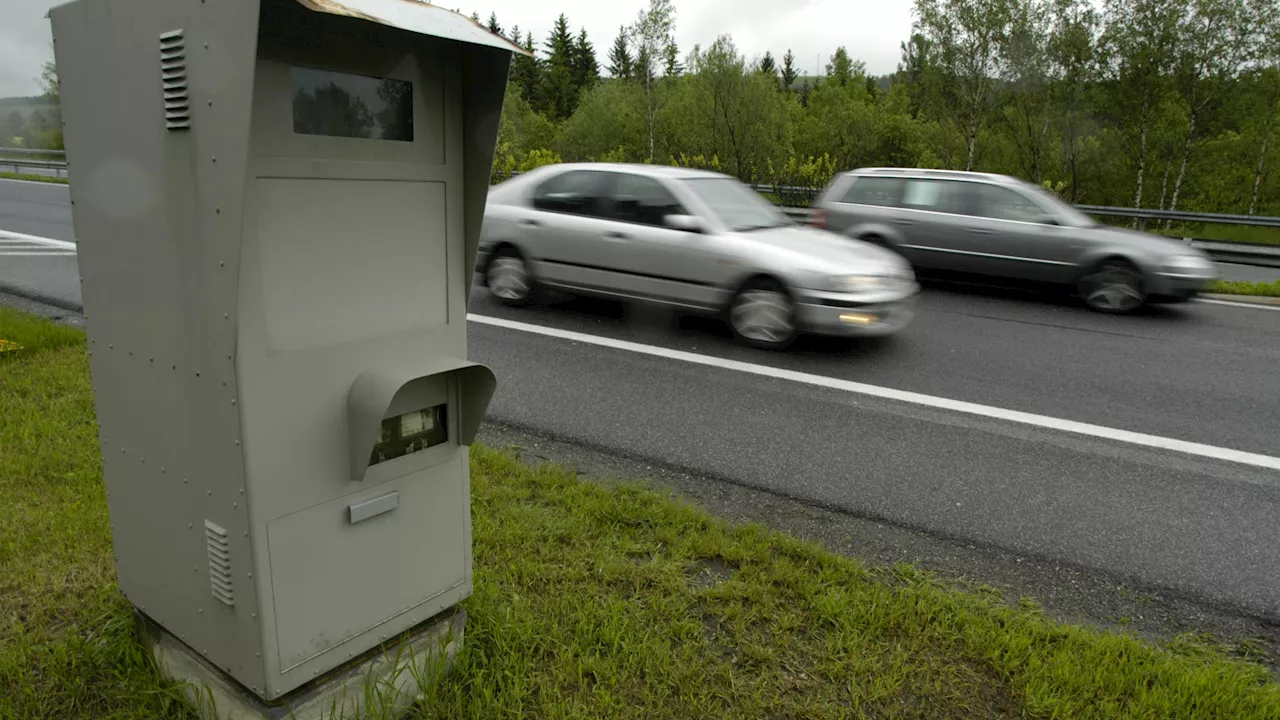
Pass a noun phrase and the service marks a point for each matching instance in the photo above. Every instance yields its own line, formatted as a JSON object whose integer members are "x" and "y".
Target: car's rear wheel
{"x": 1113, "y": 286}
{"x": 763, "y": 315}
{"x": 509, "y": 279}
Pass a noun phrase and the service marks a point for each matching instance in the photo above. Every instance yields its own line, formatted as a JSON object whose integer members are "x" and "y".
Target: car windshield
{"x": 1064, "y": 210}
{"x": 737, "y": 206}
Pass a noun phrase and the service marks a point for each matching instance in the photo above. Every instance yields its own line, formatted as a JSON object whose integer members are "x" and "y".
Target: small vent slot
{"x": 173, "y": 75}
{"x": 219, "y": 550}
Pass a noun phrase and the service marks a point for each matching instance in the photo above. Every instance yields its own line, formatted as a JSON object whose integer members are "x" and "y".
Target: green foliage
{"x": 1082, "y": 98}
{"x": 610, "y": 117}
{"x": 538, "y": 158}
{"x": 797, "y": 180}
{"x": 1256, "y": 289}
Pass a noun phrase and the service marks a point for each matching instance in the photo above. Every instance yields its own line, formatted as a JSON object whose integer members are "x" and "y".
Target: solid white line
{"x": 48, "y": 242}
{"x": 1254, "y": 306}
{"x": 35, "y": 253}
{"x": 1016, "y": 416}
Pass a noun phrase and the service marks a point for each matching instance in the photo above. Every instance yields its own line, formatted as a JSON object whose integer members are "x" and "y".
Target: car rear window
{"x": 881, "y": 191}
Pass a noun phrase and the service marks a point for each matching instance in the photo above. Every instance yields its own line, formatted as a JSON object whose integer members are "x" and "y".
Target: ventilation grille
{"x": 215, "y": 540}
{"x": 173, "y": 72}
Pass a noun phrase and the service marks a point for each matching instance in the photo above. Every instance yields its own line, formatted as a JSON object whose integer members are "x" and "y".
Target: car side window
{"x": 577, "y": 192}
{"x": 880, "y": 191}
{"x": 1001, "y": 203}
{"x": 640, "y": 199}
{"x": 944, "y": 196}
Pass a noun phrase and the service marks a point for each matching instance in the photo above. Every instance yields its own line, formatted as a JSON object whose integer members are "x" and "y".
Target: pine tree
{"x": 494, "y": 27}
{"x": 526, "y": 70}
{"x": 559, "y": 93}
{"x": 671, "y": 66}
{"x": 620, "y": 64}
{"x": 620, "y": 56}
{"x": 475, "y": 18}
{"x": 768, "y": 67}
{"x": 586, "y": 69}
{"x": 789, "y": 72}
{"x": 642, "y": 66}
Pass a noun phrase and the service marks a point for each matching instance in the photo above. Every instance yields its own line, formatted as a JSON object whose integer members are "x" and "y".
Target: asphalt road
{"x": 36, "y": 208}
{"x": 1201, "y": 373}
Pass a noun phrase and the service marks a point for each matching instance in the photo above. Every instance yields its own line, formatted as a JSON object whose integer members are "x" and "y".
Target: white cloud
{"x": 813, "y": 29}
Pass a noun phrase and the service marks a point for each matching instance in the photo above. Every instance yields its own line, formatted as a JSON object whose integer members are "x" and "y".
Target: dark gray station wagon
{"x": 1002, "y": 227}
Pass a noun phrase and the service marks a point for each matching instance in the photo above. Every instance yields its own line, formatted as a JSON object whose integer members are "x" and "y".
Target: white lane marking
{"x": 1016, "y": 416}
{"x": 1253, "y": 306}
{"x": 7, "y": 236}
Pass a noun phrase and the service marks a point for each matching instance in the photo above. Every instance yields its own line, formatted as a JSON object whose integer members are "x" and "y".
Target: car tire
{"x": 1113, "y": 286}
{"x": 508, "y": 278}
{"x": 763, "y": 315}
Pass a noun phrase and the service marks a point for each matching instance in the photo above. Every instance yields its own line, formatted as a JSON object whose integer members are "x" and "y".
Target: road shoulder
{"x": 1067, "y": 593}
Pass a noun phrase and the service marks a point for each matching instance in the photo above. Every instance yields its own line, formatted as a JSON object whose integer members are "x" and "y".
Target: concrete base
{"x": 391, "y": 677}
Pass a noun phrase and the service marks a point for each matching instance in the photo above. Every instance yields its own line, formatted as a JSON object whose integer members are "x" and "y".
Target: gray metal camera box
{"x": 277, "y": 204}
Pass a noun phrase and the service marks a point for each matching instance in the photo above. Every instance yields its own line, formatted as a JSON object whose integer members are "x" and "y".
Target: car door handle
{"x": 904, "y": 221}
{"x": 531, "y": 222}
{"x": 981, "y": 231}
{"x": 615, "y": 235}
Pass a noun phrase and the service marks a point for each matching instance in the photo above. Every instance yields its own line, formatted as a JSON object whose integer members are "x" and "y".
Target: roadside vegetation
{"x": 591, "y": 601}
{"x": 1257, "y": 289}
{"x": 33, "y": 178}
{"x": 1168, "y": 104}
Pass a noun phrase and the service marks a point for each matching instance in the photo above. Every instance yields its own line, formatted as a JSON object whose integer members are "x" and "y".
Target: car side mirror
{"x": 687, "y": 223}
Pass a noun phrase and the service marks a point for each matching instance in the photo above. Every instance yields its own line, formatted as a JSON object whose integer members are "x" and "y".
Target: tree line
{"x": 1170, "y": 104}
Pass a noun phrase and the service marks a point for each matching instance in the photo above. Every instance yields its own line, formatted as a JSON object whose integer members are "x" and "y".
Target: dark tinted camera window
{"x": 874, "y": 191}
{"x": 409, "y": 433}
{"x": 577, "y": 192}
{"x": 346, "y": 105}
{"x": 642, "y": 199}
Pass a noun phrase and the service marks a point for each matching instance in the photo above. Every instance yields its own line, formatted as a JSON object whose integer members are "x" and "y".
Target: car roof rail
{"x": 930, "y": 172}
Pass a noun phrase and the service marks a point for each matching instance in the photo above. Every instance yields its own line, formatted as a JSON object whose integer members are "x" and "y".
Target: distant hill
{"x": 25, "y": 106}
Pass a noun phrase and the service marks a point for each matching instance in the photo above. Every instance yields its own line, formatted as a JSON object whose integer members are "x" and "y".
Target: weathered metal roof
{"x": 416, "y": 16}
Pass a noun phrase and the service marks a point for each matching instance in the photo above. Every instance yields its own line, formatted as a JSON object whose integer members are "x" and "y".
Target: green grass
{"x": 34, "y": 178}
{"x": 1203, "y": 231}
{"x": 591, "y": 601}
{"x": 1227, "y": 233}
{"x": 1257, "y": 289}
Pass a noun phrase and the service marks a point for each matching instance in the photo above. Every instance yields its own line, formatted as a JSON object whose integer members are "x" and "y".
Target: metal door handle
{"x": 982, "y": 231}
{"x": 904, "y": 221}
{"x": 616, "y": 235}
{"x": 530, "y": 221}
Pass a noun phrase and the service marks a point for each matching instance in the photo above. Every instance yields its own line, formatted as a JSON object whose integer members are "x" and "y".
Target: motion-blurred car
{"x": 1001, "y": 227}
{"x": 691, "y": 239}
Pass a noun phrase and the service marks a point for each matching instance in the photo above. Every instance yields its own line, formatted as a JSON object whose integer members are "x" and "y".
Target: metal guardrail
{"x": 1223, "y": 251}
{"x": 1219, "y": 250}
{"x": 1142, "y": 215}
{"x": 33, "y": 160}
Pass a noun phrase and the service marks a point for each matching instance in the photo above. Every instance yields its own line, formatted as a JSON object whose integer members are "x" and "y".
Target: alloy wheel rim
{"x": 1113, "y": 288}
{"x": 508, "y": 279}
{"x": 763, "y": 316}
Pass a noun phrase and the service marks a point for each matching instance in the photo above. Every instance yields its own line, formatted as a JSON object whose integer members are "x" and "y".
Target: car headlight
{"x": 1182, "y": 263}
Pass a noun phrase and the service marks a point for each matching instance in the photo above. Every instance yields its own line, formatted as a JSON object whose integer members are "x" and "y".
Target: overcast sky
{"x": 813, "y": 29}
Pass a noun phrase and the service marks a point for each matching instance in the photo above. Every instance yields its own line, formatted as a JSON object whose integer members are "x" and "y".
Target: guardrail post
{"x": 1142, "y": 224}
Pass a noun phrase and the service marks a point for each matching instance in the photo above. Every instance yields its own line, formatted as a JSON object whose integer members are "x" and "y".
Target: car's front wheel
{"x": 1113, "y": 286}
{"x": 763, "y": 315}
{"x": 509, "y": 279}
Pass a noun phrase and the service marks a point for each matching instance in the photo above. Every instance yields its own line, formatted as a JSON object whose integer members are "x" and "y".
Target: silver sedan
{"x": 692, "y": 239}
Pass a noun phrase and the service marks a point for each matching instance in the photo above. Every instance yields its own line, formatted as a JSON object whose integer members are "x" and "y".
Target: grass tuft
{"x": 1256, "y": 289}
{"x": 591, "y": 601}
{"x": 33, "y": 178}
